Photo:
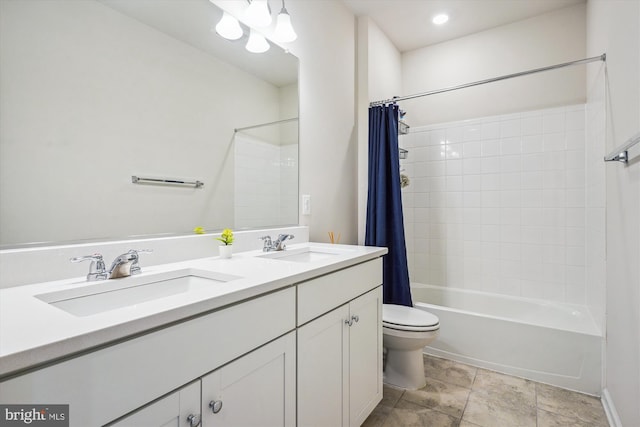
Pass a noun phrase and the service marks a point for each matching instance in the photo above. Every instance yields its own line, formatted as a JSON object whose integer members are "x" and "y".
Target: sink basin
{"x": 305, "y": 254}
{"x": 113, "y": 294}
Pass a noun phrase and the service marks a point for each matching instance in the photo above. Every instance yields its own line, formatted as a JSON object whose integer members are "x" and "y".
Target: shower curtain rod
{"x": 265, "y": 124}
{"x": 602, "y": 57}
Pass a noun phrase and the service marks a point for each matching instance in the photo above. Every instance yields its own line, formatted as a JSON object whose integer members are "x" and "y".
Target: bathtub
{"x": 553, "y": 343}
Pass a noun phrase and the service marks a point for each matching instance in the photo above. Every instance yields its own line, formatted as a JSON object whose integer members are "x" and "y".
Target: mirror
{"x": 95, "y": 92}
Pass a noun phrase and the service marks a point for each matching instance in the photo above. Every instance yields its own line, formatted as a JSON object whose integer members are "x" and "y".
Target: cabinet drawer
{"x": 323, "y": 294}
{"x": 108, "y": 383}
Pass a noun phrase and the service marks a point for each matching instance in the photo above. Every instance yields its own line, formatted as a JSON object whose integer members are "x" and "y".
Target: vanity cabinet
{"x": 308, "y": 354}
{"x": 340, "y": 352}
{"x": 257, "y": 389}
{"x": 179, "y": 409}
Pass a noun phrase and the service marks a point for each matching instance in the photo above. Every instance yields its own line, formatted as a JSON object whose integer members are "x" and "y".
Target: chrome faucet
{"x": 266, "y": 247}
{"x": 277, "y": 245}
{"x": 124, "y": 265}
{"x": 97, "y": 270}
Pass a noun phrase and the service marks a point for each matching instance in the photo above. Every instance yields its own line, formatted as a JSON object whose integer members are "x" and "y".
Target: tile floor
{"x": 459, "y": 395}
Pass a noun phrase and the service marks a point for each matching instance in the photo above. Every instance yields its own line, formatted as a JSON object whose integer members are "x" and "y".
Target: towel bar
{"x": 621, "y": 154}
{"x": 165, "y": 181}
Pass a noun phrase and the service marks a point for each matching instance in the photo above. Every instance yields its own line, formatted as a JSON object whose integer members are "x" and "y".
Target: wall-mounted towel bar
{"x": 621, "y": 154}
{"x": 165, "y": 181}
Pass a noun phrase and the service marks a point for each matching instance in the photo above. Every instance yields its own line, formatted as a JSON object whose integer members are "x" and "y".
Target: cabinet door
{"x": 257, "y": 389}
{"x": 178, "y": 409}
{"x": 322, "y": 359}
{"x": 365, "y": 356}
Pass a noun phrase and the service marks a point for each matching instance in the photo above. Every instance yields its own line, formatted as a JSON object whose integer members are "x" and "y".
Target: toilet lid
{"x": 408, "y": 318}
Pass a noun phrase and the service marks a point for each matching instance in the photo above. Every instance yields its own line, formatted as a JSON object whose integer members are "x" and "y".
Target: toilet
{"x": 405, "y": 332}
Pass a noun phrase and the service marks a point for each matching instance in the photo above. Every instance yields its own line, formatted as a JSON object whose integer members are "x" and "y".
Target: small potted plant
{"x": 227, "y": 239}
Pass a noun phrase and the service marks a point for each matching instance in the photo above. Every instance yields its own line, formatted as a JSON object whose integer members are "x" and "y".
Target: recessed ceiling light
{"x": 440, "y": 19}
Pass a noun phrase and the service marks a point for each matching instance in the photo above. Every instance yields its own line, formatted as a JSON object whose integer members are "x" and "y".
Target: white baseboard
{"x": 610, "y": 409}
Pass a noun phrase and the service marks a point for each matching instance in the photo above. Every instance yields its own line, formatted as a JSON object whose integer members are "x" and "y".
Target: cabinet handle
{"x": 194, "y": 420}
{"x": 215, "y": 405}
{"x": 349, "y": 322}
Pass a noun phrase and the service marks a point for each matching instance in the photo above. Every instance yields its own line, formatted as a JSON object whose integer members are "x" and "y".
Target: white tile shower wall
{"x": 257, "y": 182}
{"x": 265, "y": 183}
{"x": 288, "y": 184}
{"x": 498, "y": 204}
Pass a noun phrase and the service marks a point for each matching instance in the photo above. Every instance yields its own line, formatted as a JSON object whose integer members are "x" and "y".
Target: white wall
{"x": 328, "y": 147}
{"x": 595, "y": 193}
{"x": 289, "y": 102}
{"x": 614, "y": 26}
{"x": 379, "y": 78}
{"x": 548, "y": 39}
{"x": 328, "y": 143}
{"x": 384, "y": 64}
{"x": 84, "y": 107}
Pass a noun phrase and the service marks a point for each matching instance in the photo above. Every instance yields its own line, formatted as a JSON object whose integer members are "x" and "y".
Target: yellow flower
{"x": 226, "y": 237}
{"x": 199, "y": 230}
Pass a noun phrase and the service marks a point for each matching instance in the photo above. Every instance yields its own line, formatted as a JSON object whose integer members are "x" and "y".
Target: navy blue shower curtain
{"x": 385, "y": 225}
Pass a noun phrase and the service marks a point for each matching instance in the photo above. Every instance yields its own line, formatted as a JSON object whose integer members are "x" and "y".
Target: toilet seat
{"x": 403, "y": 318}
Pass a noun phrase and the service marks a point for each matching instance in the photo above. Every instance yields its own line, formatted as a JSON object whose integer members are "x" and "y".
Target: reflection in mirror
{"x": 266, "y": 174}
{"x": 94, "y": 92}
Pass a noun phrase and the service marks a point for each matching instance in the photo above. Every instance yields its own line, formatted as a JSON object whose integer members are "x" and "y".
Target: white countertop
{"x": 33, "y": 332}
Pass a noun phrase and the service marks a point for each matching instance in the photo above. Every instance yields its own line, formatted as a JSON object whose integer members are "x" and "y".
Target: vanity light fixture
{"x": 440, "y": 18}
{"x": 284, "y": 31}
{"x": 257, "y": 43}
{"x": 229, "y": 27}
{"x": 258, "y": 13}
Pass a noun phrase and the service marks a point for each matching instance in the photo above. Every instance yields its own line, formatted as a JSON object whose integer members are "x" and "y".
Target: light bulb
{"x": 440, "y": 19}
{"x": 229, "y": 27}
{"x": 284, "y": 30}
{"x": 257, "y": 14}
{"x": 257, "y": 43}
